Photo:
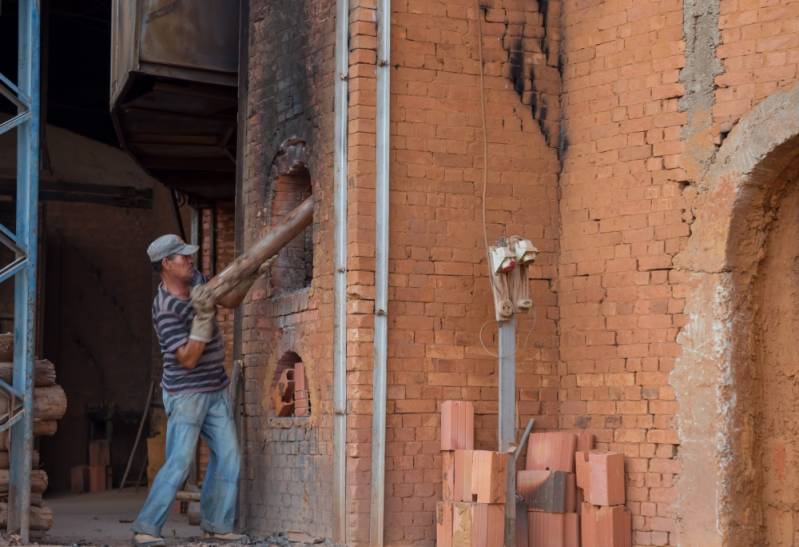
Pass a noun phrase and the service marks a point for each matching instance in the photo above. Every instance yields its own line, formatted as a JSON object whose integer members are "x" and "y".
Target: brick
{"x": 489, "y": 476}
{"x": 606, "y": 478}
{"x": 97, "y": 478}
{"x": 553, "y": 529}
{"x": 99, "y": 453}
{"x": 462, "y": 490}
{"x": 551, "y": 451}
{"x": 585, "y": 441}
{"x": 444, "y": 524}
{"x": 79, "y": 479}
{"x": 478, "y": 524}
{"x": 457, "y": 425}
{"x": 554, "y": 495}
{"x": 528, "y": 480}
{"x": 605, "y": 526}
{"x": 448, "y": 475}
{"x": 583, "y": 474}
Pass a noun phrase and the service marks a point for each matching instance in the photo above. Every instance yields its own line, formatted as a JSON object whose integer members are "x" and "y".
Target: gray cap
{"x": 168, "y": 245}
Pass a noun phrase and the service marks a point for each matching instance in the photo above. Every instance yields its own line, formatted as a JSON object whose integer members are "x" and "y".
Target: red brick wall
{"x": 759, "y": 51}
{"x": 622, "y": 223}
{"x": 288, "y": 462}
{"x": 439, "y": 297}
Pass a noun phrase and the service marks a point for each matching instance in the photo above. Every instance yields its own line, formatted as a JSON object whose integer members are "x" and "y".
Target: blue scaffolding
{"x": 23, "y": 242}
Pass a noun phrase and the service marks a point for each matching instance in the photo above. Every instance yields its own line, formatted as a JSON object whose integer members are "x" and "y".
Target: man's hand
{"x": 202, "y": 300}
{"x": 202, "y": 326}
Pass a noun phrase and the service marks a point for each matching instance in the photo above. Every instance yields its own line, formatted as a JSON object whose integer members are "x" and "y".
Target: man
{"x": 193, "y": 386}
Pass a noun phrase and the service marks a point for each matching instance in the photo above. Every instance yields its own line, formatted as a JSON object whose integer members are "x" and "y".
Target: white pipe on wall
{"x": 376, "y": 524}
{"x": 340, "y": 276}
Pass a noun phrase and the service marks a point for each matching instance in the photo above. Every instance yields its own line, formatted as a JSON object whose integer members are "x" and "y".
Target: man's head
{"x": 172, "y": 257}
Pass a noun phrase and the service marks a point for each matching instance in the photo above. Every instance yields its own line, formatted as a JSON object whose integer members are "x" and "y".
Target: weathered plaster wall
{"x": 774, "y": 417}
{"x": 717, "y": 383}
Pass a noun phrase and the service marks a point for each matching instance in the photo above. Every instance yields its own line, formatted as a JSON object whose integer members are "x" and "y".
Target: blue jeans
{"x": 190, "y": 415}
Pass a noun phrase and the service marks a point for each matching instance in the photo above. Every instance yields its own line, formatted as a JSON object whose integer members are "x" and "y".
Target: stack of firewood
{"x": 49, "y": 406}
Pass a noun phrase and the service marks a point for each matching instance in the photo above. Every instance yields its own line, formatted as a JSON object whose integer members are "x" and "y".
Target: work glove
{"x": 202, "y": 299}
{"x": 202, "y": 326}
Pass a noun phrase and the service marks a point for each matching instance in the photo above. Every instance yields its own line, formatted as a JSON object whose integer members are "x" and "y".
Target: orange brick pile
{"x": 574, "y": 495}
{"x": 572, "y": 504}
{"x": 472, "y": 512}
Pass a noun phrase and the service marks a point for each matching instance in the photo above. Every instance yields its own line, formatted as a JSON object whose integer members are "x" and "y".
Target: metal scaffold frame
{"x": 23, "y": 243}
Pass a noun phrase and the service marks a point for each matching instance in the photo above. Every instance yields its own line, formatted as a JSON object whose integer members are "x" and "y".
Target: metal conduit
{"x": 340, "y": 275}
{"x": 379, "y": 381}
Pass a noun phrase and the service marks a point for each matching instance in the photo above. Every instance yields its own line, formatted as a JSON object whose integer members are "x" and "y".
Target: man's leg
{"x": 220, "y": 485}
{"x": 185, "y": 414}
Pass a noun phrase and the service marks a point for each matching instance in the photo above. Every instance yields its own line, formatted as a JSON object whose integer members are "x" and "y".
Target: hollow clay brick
{"x": 478, "y": 524}
{"x": 552, "y": 495}
{"x": 553, "y": 529}
{"x": 457, "y": 425}
{"x": 462, "y": 482}
{"x": 447, "y": 475}
{"x": 605, "y": 526}
{"x": 552, "y": 451}
{"x": 444, "y": 524}
{"x": 489, "y": 476}
{"x": 528, "y": 480}
{"x": 585, "y": 441}
{"x": 606, "y": 478}
{"x": 583, "y": 471}
{"x": 571, "y": 493}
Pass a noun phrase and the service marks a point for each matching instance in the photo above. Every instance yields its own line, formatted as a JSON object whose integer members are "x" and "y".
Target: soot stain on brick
{"x": 516, "y": 58}
{"x": 539, "y": 109}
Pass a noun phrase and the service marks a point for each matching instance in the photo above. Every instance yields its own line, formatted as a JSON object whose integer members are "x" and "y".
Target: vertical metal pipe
{"x": 340, "y": 274}
{"x": 507, "y": 384}
{"x": 238, "y": 221}
{"x": 380, "y": 372}
{"x": 25, "y": 281}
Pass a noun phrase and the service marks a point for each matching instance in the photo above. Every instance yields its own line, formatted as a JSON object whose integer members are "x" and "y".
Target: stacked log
{"x": 49, "y": 406}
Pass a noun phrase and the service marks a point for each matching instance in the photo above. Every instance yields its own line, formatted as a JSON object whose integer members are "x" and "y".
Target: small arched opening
{"x": 289, "y": 389}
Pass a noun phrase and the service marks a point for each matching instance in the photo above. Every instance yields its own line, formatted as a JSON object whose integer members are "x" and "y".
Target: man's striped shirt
{"x": 172, "y": 317}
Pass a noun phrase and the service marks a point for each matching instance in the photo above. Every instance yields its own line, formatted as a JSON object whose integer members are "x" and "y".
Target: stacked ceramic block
{"x": 605, "y": 520}
{"x": 574, "y": 494}
{"x": 548, "y": 485}
{"x": 472, "y": 510}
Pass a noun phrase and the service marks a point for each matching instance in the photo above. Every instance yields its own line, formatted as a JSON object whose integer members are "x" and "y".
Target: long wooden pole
{"x": 250, "y": 260}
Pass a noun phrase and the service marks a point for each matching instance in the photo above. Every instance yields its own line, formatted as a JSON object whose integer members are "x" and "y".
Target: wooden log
{"x": 43, "y": 372}
{"x": 41, "y": 517}
{"x": 49, "y": 403}
{"x": 38, "y": 481}
{"x": 5, "y": 459}
{"x": 250, "y": 260}
{"x": 37, "y": 499}
{"x": 40, "y": 429}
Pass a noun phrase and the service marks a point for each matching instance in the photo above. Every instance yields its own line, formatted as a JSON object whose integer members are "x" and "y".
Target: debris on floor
{"x": 568, "y": 494}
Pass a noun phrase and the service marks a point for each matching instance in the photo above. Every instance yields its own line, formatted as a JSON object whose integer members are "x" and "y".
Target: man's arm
{"x": 188, "y": 355}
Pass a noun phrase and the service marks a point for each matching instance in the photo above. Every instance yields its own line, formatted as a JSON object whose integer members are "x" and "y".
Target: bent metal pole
{"x": 268, "y": 246}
